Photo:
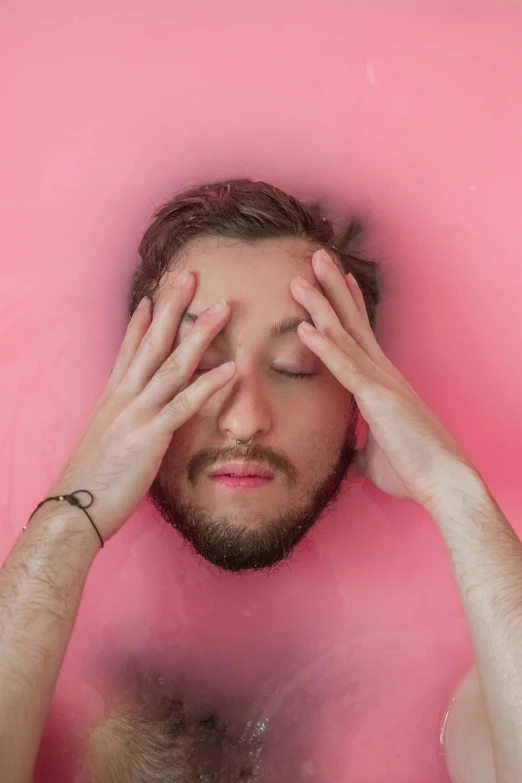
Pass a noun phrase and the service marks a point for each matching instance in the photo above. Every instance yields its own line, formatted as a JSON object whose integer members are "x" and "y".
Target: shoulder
{"x": 467, "y": 740}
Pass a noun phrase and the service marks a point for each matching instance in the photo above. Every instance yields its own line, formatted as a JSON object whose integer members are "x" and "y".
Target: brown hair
{"x": 157, "y": 742}
{"x": 248, "y": 211}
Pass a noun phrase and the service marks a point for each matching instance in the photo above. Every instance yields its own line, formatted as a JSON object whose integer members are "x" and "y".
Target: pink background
{"x": 408, "y": 112}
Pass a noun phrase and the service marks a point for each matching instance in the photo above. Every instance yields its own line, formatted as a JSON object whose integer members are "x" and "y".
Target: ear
{"x": 359, "y": 462}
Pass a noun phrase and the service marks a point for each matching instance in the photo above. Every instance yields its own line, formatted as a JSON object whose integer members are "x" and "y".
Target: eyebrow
{"x": 279, "y": 329}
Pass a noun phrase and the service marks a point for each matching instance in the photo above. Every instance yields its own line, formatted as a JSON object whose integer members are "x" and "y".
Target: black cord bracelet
{"x": 73, "y": 500}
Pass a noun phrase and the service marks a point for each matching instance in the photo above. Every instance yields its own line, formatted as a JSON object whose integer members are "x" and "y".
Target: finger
{"x": 192, "y": 398}
{"x": 323, "y": 315}
{"x": 136, "y": 330}
{"x": 339, "y": 294}
{"x": 157, "y": 343}
{"x": 349, "y": 364}
{"x": 177, "y": 370}
{"x": 358, "y": 297}
{"x": 379, "y": 356}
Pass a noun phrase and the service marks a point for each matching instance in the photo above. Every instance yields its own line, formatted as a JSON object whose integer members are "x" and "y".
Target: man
{"x": 209, "y": 408}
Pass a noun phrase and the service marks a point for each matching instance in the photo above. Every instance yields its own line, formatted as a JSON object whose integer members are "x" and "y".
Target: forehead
{"x": 249, "y": 276}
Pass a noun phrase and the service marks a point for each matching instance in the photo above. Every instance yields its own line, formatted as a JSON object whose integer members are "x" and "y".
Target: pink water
{"x": 345, "y": 659}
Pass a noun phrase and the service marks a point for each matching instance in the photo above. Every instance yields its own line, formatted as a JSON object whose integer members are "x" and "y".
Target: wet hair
{"x": 250, "y": 212}
{"x": 140, "y": 747}
{"x": 161, "y": 744}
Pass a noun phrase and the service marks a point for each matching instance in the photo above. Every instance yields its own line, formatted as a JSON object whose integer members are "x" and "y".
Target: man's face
{"x": 303, "y": 429}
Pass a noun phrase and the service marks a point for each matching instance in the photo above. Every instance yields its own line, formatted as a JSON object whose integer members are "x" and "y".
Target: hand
{"x": 146, "y": 400}
{"x": 408, "y": 453}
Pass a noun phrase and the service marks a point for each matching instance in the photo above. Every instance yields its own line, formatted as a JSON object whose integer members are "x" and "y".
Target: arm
{"x": 486, "y": 556}
{"x": 40, "y": 589}
{"x": 148, "y": 397}
{"x": 409, "y": 455}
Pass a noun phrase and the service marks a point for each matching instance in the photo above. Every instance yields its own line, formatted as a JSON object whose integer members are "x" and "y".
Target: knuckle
{"x": 353, "y": 367}
{"x": 156, "y": 341}
{"x": 149, "y": 345}
{"x": 179, "y": 406}
{"x": 173, "y": 365}
{"x": 326, "y": 329}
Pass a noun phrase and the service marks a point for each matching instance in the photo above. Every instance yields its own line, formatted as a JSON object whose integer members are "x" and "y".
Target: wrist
{"x": 57, "y": 523}
{"x": 463, "y": 485}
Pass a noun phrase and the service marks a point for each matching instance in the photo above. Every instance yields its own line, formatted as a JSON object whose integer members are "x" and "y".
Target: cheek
{"x": 318, "y": 429}
{"x": 315, "y": 452}
{"x": 179, "y": 448}
{"x": 328, "y": 409}
{"x": 336, "y": 390}
{"x": 327, "y": 422}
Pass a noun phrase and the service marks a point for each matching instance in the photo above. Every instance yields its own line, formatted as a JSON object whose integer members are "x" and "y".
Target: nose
{"x": 246, "y": 409}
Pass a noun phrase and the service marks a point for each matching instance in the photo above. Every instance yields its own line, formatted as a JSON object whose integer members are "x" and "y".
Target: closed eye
{"x": 295, "y": 376}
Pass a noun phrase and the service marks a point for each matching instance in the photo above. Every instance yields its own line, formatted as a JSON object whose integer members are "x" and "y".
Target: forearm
{"x": 40, "y": 589}
{"x": 487, "y": 561}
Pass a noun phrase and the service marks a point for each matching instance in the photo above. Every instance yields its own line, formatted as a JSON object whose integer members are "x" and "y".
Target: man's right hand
{"x": 146, "y": 400}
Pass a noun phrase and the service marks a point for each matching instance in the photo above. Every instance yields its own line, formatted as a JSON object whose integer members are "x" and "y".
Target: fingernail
{"x": 227, "y": 368}
{"x": 215, "y": 308}
{"x": 324, "y": 259}
{"x": 180, "y": 280}
{"x": 301, "y": 281}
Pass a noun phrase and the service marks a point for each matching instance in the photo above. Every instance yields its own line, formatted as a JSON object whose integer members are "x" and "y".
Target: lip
{"x": 241, "y": 482}
{"x": 242, "y": 469}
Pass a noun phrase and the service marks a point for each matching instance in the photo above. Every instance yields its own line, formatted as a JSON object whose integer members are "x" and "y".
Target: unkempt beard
{"x": 235, "y": 547}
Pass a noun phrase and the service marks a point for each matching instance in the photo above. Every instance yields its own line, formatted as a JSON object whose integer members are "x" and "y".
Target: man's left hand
{"x": 408, "y": 453}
